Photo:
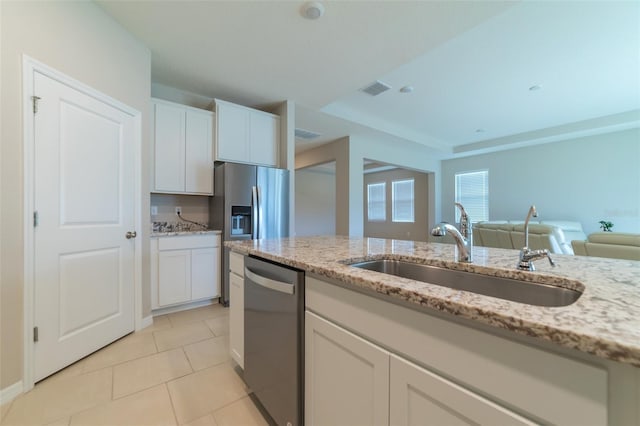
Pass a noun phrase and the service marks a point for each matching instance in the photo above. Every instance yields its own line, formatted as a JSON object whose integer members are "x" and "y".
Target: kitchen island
{"x": 570, "y": 364}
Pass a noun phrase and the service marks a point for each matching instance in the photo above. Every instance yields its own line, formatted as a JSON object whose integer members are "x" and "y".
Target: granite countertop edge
{"x": 601, "y": 322}
{"x": 182, "y": 233}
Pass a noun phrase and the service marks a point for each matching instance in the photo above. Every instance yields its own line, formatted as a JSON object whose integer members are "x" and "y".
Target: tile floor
{"x": 177, "y": 371}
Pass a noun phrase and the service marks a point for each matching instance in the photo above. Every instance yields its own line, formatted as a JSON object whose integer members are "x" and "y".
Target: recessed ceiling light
{"x": 312, "y": 10}
{"x": 535, "y": 87}
{"x": 406, "y": 89}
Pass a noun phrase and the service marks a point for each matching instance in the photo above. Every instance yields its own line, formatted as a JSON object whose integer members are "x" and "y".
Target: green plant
{"x": 605, "y": 225}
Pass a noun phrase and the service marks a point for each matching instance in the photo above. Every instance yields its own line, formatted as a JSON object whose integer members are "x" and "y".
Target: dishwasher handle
{"x": 280, "y": 286}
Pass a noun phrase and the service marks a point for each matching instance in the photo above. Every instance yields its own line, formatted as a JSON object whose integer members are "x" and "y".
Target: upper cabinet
{"x": 183, "y": 145}
{"x": 246, "y": 135}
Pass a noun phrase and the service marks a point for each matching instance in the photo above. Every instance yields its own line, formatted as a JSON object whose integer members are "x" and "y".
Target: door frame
{"x": 29, "y": 67}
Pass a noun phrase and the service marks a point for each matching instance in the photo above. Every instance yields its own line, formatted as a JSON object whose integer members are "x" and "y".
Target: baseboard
{"x": 184, "y": 307}
{"x": 9, "y": 393}
{"x": 146, "y": 322}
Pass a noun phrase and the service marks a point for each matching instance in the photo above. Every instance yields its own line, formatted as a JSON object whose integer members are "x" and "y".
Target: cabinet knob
{"x": 131, "y": 235}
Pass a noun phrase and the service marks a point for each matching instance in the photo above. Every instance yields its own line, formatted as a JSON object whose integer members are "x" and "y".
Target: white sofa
{"x": 553, "y": 235}
{"x": 616, "y": 245}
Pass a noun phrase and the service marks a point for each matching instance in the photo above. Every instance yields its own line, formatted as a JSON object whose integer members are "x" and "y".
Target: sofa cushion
{"x": 615, "y": 245}
{"x": 619, "y": 238}
{"x": 540, "y": 237}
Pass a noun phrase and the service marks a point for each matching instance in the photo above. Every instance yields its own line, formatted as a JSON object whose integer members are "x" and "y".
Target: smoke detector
{"x": 312, "y": 10}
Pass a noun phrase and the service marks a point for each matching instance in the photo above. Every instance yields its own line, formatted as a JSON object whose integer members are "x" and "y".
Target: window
{"x": 402, "y": 196}
{"x": 376, "y": 202}
{"x": 472, "y": 191}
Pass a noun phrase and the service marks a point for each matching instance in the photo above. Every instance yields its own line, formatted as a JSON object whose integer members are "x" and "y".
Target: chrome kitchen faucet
{"x": 463, "y": 238}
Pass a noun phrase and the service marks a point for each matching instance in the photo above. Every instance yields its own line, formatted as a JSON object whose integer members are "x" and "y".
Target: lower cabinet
{"x": 418, "y": 397}
{"x": 349, "y": 380}
{"x": 185, "y": 269}
{"x": 236, "y": 308}
{"x": 346, "y": 377}
{"x": 174, "y": 277}
{"x": 369, "y": 361}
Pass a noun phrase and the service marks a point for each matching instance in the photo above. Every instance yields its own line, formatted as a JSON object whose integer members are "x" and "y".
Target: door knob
{"x": 130, "y": 235}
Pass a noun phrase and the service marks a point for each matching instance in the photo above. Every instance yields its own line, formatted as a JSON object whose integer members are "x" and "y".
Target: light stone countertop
{"x": 604, "y": 321}
{"x": 182, "y": 233}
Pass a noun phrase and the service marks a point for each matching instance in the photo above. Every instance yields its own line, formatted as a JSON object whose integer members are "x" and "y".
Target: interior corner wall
{"x": 182, "y": 97}
{"x": 337, "y": 151}
{"x": 405, "y": 154}
{"x": 80, "y": 40}
{"x": 287, "y": 112}
{"x": 418, "y": 229}
{"x": 315, "y": 202}
{"x": 585, "y": 179}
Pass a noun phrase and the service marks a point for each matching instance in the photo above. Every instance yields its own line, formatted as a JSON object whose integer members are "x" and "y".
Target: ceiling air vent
{"x": 306, "y": 134}
{"x": 376, "y": 88}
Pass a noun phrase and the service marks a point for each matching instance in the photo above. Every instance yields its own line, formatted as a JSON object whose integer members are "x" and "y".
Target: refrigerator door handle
{"x": 254, "y": 213}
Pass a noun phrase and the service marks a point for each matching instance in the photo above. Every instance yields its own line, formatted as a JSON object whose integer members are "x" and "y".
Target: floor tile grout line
{"x": 156, "y": 384}
{"x": 193, "y": 370}
{"x": 173, "y": 406}
{"x": 120, "y": 363}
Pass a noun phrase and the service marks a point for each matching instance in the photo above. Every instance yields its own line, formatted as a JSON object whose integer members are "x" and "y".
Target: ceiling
{"x": 471, "y": 65}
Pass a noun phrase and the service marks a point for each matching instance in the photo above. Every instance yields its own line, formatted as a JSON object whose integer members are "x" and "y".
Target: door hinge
{"x": 35, "y": 100}
{"x": 35, "y": 334}
{"x": 36, "y": 218}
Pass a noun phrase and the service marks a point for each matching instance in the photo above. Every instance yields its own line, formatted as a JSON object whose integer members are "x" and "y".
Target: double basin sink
{"x": 531, "y": 293}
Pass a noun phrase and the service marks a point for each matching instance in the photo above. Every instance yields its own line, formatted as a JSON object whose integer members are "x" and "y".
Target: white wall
{"x": 172, "y": 94}
{"x": 315, "y": 202}
{"x": 349, "y": 154}
{"x": 418, "y": 230}
{"x": 80, "y": 40}
{"x": 586, "y": 179}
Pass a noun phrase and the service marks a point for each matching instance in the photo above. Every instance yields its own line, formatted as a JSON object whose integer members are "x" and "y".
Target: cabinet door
{"x": 169, "y": 148}
{"x": 419, "y": 397}
{"x": 204, "y": 273}
{"x": 236, "y": 318}
{"x": 174, "y": 277}
{"x": 198, "y": 153}
{"x": 232, "y": 129}
{"x": 264, "y": 138}
{"x": 346, "y": 377}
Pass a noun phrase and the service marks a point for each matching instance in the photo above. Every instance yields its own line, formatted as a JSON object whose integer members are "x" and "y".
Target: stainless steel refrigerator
{"x": 249, "y": 202}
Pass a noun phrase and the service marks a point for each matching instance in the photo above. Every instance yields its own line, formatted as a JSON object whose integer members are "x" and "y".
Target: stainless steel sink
{"x": 503, "y": 288}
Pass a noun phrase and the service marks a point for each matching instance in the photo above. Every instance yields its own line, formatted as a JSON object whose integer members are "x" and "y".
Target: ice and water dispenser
{"x": 240, "y": 220}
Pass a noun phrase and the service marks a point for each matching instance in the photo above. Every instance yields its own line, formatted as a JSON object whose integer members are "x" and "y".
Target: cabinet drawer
{"x": 236, "y": 264}
{"x": 188, "y": 242}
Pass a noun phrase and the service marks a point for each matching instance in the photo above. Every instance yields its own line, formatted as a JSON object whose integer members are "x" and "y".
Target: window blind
{"x": 402, "y": 196}
{"x": 376, "y": 202}
{"x": 472, "y": 191}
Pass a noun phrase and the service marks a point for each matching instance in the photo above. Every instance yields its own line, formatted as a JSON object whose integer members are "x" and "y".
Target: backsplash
{"x": 194, "y": 207}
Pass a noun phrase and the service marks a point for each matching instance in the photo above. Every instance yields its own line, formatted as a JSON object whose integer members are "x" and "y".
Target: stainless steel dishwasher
{"x": 274, "y": 338}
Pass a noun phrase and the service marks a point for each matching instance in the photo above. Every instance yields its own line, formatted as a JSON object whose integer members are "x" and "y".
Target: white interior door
{"x": 84, "y": 196}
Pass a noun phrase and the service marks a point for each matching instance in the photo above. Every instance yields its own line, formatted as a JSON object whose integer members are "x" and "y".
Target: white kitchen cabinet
{"x": 204, "y": 273}
{"x": 183, "y": 141}
{"x": 174, "y": 277}
{"x": 246, "y": 135}
{"x": 236, "y": 307}
{"x": 346, "y": 377}
{"x": 440, "y": 368}
{"x": 264, "y": 137}
{"x": 169, "y": 147}
{"x": 185, "y": 269}
{"x": 417, "y": 394}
